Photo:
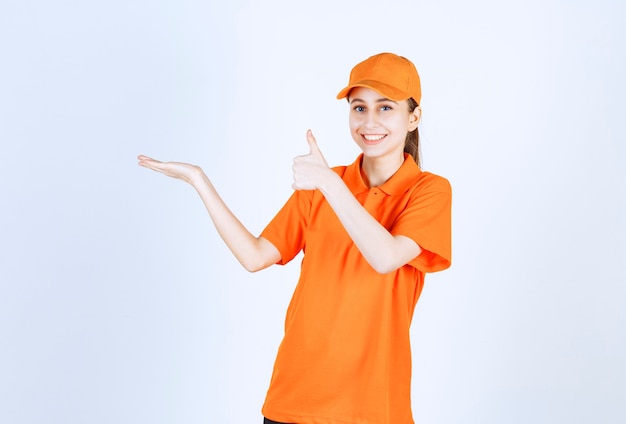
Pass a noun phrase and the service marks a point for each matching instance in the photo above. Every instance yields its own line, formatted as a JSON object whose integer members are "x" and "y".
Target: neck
{"x": 376, "y": 171}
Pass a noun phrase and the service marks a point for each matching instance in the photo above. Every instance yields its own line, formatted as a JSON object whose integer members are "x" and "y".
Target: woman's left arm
{"x": 381, "y": 249}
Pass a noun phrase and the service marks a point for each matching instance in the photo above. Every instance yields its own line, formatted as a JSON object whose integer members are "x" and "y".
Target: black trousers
{"x": 266, "y": 421}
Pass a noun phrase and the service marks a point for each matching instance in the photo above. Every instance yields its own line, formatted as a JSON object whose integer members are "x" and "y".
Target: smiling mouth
{"x": 372, "y": 138}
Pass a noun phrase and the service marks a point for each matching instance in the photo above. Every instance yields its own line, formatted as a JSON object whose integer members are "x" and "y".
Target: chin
{"x": 371, "y": 152}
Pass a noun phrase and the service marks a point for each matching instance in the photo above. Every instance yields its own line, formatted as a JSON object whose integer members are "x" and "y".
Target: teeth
{"x": 373, "y": 137}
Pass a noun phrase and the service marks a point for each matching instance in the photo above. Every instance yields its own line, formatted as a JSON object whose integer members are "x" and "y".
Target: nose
{"x": 370, "y": 119}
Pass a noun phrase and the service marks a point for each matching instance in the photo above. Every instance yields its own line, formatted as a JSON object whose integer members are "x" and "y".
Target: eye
{"x": 359, "y": 108}
{"x": 386, "y": 107}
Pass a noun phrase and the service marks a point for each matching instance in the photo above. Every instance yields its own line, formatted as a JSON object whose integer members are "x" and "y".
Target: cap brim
{"x": 391, "y": 93}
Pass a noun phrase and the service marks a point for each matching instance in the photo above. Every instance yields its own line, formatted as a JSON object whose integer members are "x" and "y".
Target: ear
{"x": 414, "y": 118}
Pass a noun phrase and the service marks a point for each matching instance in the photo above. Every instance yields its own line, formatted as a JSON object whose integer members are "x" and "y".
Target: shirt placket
{"x": 374, "y": 198}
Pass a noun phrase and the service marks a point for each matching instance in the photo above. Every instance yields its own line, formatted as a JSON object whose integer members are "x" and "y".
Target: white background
{"x": 120, "y": 304}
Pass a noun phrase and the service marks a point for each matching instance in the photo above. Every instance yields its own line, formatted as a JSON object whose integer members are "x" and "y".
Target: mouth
{"x": 373, "y": 138}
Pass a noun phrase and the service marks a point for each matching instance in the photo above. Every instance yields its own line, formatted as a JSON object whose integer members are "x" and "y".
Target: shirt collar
{"x": 399, "y": 182}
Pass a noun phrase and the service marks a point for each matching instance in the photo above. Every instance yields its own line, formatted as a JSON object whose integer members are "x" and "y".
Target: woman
{"x": 369, "y": 232}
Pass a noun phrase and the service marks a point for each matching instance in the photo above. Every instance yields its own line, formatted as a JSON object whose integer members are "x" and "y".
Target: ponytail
{"x": 412, "y": 142}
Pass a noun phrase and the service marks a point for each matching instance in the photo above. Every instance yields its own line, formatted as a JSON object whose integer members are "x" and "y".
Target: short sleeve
{"x": 287, "y": 229}
{"x": 427, "y": 221}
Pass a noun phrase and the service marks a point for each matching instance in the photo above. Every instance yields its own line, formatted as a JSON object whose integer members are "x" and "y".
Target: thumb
{"x": 314, "y": 149}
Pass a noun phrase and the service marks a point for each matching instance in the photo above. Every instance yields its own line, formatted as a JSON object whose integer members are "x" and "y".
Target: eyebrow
{"x": 381, "y": 100}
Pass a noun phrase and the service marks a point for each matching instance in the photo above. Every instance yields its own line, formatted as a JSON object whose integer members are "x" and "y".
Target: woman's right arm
{"x": 254, "y": 253}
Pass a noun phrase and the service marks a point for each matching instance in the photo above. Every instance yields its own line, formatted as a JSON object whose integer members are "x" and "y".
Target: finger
{"x": 147, "y": 161}
{"x": 314, "y": 149}
{"x": 143, "y": 159}
{"x": 155, "y": 165}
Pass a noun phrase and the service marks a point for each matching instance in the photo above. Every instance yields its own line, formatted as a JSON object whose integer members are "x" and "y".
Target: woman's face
{"x": 378, "y": 125}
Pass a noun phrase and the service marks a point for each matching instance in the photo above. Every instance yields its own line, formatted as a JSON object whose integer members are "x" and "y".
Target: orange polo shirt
{"x": 346, "y": 357}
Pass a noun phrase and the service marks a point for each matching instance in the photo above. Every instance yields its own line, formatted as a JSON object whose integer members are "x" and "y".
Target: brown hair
{"x": 412, "y": 142}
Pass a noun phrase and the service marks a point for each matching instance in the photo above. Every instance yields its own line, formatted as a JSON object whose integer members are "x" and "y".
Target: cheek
{"x": 354, "y": 130}
{"x": 401, "y": 123}
{"x": 353, "y": 123}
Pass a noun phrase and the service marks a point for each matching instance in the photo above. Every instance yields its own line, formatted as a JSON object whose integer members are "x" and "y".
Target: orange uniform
{"x": 345, "y": 357}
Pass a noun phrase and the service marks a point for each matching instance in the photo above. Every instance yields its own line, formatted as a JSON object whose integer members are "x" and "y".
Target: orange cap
{"x": 393, "y": 76}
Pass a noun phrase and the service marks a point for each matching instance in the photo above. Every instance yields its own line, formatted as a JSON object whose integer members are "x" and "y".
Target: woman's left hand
{"x": 310, "y": 171}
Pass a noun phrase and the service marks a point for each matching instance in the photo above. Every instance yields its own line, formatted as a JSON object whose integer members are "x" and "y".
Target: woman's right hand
{"x": 254, "y": 253}
{"x": 182, "y": 171}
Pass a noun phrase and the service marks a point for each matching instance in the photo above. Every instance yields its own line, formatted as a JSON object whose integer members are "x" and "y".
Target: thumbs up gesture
{"x": 309, "y": 171}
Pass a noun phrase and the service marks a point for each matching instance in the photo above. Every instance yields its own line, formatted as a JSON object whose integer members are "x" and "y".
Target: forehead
{"x": 366, "y": 94}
